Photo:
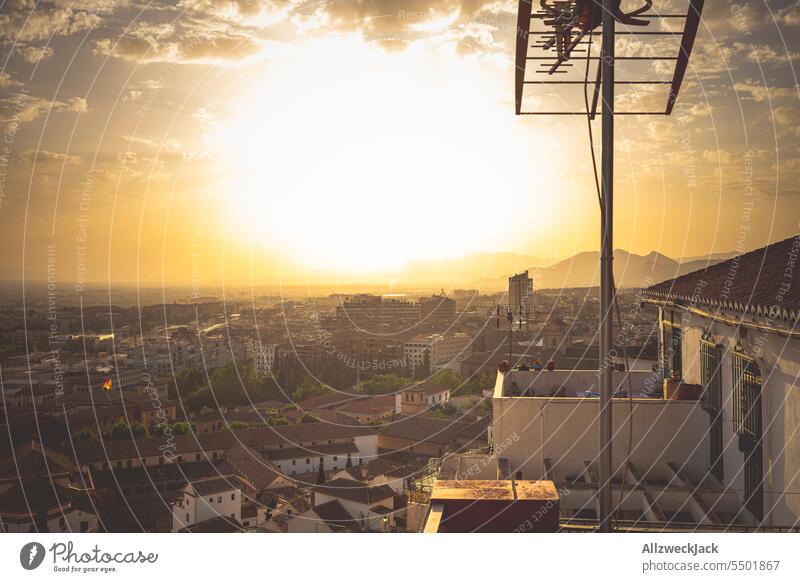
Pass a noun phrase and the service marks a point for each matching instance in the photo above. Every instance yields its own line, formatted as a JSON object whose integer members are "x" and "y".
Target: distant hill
{"x": 630, "y": 270}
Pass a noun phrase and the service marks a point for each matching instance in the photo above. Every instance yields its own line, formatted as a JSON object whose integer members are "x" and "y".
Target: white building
{"x": 211, "y": 498}
{"x": 371, "y": 506}
{"x": 715, "y": 445}
{"x": 444, "y": 351}
{"x": 731, "y": 329}
{"x": 264, "y": 358}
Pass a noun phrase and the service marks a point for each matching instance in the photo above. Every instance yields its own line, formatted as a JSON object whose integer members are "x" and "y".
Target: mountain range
{"x": 490, "y": 271}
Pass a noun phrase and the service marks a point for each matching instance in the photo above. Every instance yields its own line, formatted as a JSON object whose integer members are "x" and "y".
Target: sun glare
{"x": 350, "y": 157}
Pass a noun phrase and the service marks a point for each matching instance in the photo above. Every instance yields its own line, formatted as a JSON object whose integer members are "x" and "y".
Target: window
{"x": 84, "y": 526}
{"x": 210, "y": 500}
{"x": 711, "y": 378}
{"x": 197, "y": 457}
{"x": 219, "y": 499}
{"x": 233, "y": 496}
{"x": 308, "y": 461}
{"x": 128, "y": 463}
{"x": 62, "y": 523}
{"x": 187, "y": 517}
{"x": 335, "y": 458}
{"x": 671, "y": 345}
{"x": 747, "y": 424}
{"x": 294, "y": 461}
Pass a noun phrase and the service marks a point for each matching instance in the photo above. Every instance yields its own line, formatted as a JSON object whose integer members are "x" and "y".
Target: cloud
{"x": 34, "y": 54}
{"x": 184, "y": 46}
{"x": 21, "y": 108}
{"x": 7, "y": 80}
{"x": 754, "y": 91}
{"x": 155, "y": 143}
{"x": 33, "y": 20}
{"x": 45, "y": 156}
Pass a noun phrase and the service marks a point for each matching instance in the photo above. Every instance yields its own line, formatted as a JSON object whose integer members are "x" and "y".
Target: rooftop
{"x": 756, "y": 282}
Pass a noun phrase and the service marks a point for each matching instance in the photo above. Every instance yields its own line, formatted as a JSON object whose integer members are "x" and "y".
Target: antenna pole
{"x": 606, "y": 265}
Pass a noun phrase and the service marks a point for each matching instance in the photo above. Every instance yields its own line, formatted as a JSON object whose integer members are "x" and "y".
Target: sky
{"x": 200, "y": 141}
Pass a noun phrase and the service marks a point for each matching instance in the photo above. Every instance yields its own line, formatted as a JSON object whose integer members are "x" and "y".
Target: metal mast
{"x": 566, "y": 32}
{"x": 606, "y": 264}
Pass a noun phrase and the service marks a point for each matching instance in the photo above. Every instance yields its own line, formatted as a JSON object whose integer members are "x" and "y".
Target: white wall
{"x": 565, "y": 430}
{"x": 778, "y": 357}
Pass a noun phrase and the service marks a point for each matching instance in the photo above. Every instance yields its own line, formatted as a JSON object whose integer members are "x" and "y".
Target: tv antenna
{"x": 554, "y": 51}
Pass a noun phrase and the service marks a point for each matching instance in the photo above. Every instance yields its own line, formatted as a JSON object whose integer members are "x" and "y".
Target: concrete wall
{"x": 778, "y": 357}
{"x": 565, "y": 430}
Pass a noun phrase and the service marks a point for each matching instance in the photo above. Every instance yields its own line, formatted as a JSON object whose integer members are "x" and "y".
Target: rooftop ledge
{"x": 579, "y": 384}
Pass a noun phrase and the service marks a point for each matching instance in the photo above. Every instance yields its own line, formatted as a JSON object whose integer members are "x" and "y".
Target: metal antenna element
{"x": 568, "y": 27}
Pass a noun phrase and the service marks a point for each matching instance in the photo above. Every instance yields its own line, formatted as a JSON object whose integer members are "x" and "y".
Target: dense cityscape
{"x": 367, "y": 391}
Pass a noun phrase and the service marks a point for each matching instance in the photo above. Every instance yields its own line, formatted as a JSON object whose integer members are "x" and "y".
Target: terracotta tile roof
{"x": 356, "y": 491}
{"x": 420, "y": 428}
{"x": 335, "y": 515}
{"x": 252, "y": 465}
{"x": 219, "y": 524}
{"x": 315, "y": 451}
{"x": 214, "y": 485}
{"x": 761, "y": 282}
{"x": 292, "y": 435}
{"x": 428, "y": 387}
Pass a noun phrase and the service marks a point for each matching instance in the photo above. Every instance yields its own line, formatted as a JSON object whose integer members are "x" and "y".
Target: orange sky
{"x": 291, "y": 141}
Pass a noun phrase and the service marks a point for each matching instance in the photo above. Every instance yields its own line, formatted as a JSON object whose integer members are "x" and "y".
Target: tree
{"x": 277, "y": 421}
{"x": 121, "y": 432}
{"x": 183, "y": 427}
{"x": 236, "y": 425}
{"x": 447, "y": 378}
{"x": 422, "y": 371}
{"x": 308, "y": 419}
{"x": 382, "y": 384}
{"x": 85, "y": 437}
{"x": 308, "y": 390}
{"x": 139, "y": 431}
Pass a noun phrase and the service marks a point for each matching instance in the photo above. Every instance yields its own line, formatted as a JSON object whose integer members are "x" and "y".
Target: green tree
{"x": 308, "y": 390}
{"x": 139, "y": 430}
{"x": 447, "y": 378}
{"x": 382, "y": 384}
{"x": 121, "y": 432}
{"x": 308, "y": 419}
{"x": 85, "y": 437}
{"x": 422, "y": 371}
{"x": 183, "y": 427}
{"x": 236, "y": 425}
{"x": 277, "y": 421}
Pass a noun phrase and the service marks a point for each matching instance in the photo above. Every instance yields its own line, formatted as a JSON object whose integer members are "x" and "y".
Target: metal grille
{"x": 710, "y": 362}
{"x": 672, "y": 350}
{"x": 746, "y": 397}
{"x": 747, "y": 423}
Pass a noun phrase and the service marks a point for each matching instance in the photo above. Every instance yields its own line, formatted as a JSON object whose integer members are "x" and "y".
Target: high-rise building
{"x": 520, "y": 297}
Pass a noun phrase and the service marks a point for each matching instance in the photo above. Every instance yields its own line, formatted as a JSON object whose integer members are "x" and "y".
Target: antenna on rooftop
{"x": 554, "y": 50}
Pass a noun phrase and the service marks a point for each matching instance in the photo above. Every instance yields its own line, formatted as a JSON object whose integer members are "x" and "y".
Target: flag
{"x": 107, "y": 385}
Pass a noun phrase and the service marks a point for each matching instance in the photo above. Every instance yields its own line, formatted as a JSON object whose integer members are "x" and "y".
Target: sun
{"x": 349, "y": 157}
